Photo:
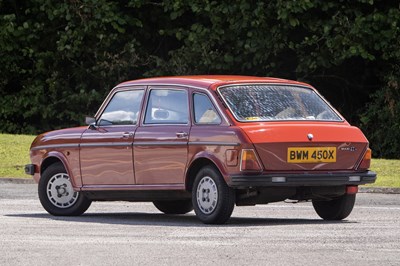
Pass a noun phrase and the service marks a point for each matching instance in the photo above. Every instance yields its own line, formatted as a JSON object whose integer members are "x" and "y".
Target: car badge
{"x": 348, "y": 148}
{"x": 310, "y": 136}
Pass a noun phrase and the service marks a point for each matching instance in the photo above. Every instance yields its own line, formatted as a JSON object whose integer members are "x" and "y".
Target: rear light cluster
{"x": 366, "y": 161}
{"x": 249, "y": 161}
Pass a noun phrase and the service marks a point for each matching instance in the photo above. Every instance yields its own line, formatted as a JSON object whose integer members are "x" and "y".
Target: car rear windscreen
{"x": 276, "y": 103}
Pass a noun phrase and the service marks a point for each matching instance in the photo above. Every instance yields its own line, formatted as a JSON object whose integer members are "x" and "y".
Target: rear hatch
{"x": 306, "y": 146}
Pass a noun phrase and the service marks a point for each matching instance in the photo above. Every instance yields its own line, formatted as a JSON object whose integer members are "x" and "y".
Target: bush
{"x": 58, "y": 59}
{"x": 381, "y": 119}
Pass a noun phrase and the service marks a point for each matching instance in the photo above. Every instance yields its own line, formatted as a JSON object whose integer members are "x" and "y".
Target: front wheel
{"x": 56, "y": 193}
{"x": 213, "y": 201}
{"x": 336, "y": 209}
{"x": 174, "y": 206}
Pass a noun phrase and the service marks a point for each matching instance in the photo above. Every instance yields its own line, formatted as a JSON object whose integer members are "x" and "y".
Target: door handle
{"x": 181, "y": 135}
{"x": 127, "y": 135}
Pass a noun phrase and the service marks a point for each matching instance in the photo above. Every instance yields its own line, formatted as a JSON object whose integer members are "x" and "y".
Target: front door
{"x": 161, "y": 142}
{"x": 106, "y": 152}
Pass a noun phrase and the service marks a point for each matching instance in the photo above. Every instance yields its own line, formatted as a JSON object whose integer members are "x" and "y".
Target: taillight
{"x": 366, "y": 161}
{"x": 249, "y": 161}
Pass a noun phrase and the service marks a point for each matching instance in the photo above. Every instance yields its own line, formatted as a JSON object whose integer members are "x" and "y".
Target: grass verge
{"x": 388, "y": 173}
{"x": 14, "y": 154}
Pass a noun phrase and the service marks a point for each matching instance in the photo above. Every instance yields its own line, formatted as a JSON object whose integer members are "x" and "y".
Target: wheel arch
{"x": 55, "y": 157}
{"x": 195, "y": 166}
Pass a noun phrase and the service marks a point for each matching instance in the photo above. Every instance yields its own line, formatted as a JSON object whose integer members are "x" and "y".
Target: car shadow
{"x": 187, "y": 220}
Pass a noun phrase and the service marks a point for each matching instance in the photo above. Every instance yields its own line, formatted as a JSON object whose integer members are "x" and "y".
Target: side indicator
{"x": 249, "y": 161}
{"x": 366, "y": 161}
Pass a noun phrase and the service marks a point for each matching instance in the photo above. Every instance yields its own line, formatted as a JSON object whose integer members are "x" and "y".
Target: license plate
{"x": 311, "y": 155}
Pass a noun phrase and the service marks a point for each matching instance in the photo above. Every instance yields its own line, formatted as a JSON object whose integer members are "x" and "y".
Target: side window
{"x": 167, "y": 106}
{"x": 123, "y": 109}
{"x": 204, "y": 111}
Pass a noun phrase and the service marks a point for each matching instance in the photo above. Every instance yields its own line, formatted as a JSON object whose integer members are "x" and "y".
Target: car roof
{"x": 207, "y": 81}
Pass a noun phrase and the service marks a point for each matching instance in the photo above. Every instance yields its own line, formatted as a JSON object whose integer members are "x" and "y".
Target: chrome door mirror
{"x": 91, "y": 122}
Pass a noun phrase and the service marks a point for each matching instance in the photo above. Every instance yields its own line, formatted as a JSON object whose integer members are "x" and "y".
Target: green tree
{"x": 59, "y": 59}
{"x": 381, "y": 118}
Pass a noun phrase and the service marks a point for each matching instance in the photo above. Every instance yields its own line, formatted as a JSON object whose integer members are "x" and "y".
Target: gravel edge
{"x": 382, "y": 190}
{"x": 16, "y": 180}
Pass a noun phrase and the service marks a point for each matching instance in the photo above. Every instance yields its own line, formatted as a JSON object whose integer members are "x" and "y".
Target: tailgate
{"x": 307, "y": 146}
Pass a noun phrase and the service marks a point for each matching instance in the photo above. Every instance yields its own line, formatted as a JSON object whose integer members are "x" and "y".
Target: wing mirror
{"x": 91, "y": 122}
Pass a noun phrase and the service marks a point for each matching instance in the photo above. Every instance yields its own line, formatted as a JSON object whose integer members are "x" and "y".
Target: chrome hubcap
{"x": 207, "y": 195}
{"x": 60, "y": 191}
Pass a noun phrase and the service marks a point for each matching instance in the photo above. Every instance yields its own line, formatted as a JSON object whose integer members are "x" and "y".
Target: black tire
{"x": 336, "y": 209}
{"x": 213, "y": 201}
{"x": 174, "y": 206}
{"x": 56, "y": 194}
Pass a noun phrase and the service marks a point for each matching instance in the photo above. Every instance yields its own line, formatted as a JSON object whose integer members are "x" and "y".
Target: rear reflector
{"x": 278, "y": 179}
{"x": 355, "y": 178}
{"x": 249, "y": 161}
{"x": 351, "y": 189}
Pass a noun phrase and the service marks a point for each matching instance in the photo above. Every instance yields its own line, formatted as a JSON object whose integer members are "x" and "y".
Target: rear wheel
{"x": 174, "y": 206}
{"x": 213, "y": 201}
{"x": 336, "y": 209}
{"x": 56, "y": 193}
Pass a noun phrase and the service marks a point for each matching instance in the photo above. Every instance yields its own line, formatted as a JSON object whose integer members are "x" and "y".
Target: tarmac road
{"x": 122, "y": 233}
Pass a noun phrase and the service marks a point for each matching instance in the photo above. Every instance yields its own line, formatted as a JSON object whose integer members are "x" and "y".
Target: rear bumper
{"x": 298, "y": 180}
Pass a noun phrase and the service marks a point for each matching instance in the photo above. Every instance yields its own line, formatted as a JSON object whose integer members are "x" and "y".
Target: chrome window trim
{"x": 214, "y": 102}
{"x": 146, "y": 102}
{"x": 193, "y": 113}
{"x": 133, "y": 126}
{"x": 111, "y": 95}
{"x": 157, "y": 125}
{"x": 206, "y": 91}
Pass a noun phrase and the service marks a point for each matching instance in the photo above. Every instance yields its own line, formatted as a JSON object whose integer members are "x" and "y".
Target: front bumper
{"x": 30, "y": 169}
{"x": 298, "y": 180}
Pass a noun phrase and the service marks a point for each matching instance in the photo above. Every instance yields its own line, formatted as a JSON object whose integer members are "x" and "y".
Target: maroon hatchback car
{"x": 206, "y": 143}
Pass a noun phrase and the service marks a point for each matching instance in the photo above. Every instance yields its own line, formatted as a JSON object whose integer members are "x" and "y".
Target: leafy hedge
{"x": 58, "y": 59}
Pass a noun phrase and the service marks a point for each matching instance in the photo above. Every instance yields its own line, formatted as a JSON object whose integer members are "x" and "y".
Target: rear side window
{"x": 123, "y": 109}
{"x": 204, "y": 111}
{"x": 167, "y": 106}
{"x": 276, "y": 103}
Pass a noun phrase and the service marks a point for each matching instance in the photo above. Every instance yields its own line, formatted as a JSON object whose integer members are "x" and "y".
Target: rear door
{"x": 161, "y": 142}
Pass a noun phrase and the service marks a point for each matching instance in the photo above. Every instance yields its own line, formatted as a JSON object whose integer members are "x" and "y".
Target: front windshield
{"x": 276, "y": 103}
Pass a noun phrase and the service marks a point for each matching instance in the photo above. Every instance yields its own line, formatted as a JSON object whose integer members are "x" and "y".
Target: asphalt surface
{"x": 122, "y": 233}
